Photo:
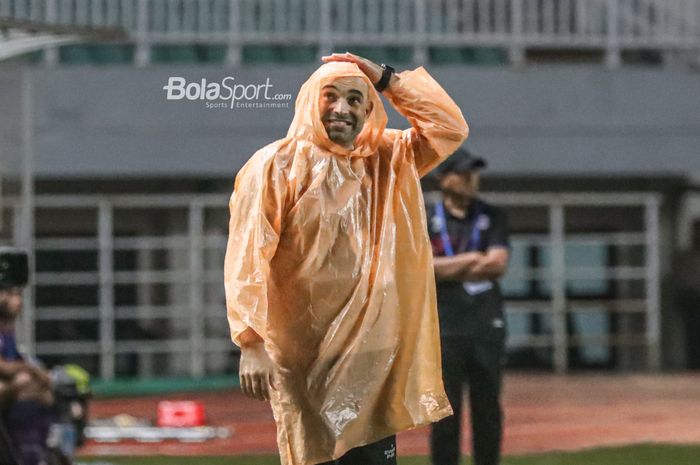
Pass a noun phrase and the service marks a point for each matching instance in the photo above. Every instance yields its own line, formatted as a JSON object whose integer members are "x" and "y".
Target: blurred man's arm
{"x": 437, "y": 125}
{"x": 472, "y": 266}
{"x": 480, "y": 266}
{"x": 256, "y": 209}
{"x": 9, "y": 369}
{"x": 40, "y": 375}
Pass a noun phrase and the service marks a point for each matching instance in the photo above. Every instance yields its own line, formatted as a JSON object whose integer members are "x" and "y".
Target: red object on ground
{"x": 183, "y": 413}
{"x": 543, "y": 412}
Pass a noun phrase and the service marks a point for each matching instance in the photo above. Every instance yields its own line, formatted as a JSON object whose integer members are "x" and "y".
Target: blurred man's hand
{"x": 256, "y": 372}
{"x": 372, "y": 70}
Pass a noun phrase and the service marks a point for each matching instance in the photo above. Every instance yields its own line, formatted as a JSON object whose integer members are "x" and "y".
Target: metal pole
{"x": 516, "y": 51}
{"x": 653, "y": 280}
{"x": 613, "y": 59}
{"x": 105, "y": 240}
{"x": 325, "y": 40}
{"x": 420, "y": 48}
{"x": 144, "y": 261}
{"x": 558, "y": 269}
{"x": 197, "y": 313}
{"x": 51, "y": 53}
{"x": 143, "y": 46}
{"x": 234, "y": 55}
{"x": 25, "y": 232}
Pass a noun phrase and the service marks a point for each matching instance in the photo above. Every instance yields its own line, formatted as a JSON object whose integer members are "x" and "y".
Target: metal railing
{"x": 609, "y": 26}
{"x": 561, "y": 274}
{"x": 165, "y": 255}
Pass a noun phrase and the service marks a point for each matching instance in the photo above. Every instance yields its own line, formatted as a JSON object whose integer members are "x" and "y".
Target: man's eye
{"x": 354, "y": 100}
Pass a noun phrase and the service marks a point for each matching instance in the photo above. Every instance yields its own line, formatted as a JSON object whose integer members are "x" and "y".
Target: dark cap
{"x": 14, "y": 269}
{"x": 462, "y": 161}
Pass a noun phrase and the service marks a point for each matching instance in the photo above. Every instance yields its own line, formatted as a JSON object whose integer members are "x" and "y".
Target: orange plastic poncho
{"x": 329, "y": 261}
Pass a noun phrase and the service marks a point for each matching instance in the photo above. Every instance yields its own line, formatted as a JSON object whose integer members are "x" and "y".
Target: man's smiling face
{"x": 344, "y": 105}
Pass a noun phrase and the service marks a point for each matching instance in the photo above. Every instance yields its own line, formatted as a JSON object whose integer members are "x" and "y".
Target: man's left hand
{"x": 372, "y": 70}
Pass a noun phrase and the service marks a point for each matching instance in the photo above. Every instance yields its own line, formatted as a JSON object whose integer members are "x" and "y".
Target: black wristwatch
{"x": 386, "y": 77}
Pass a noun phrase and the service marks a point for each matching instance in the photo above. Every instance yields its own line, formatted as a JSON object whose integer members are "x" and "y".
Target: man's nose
{"x": 341, "y": 106}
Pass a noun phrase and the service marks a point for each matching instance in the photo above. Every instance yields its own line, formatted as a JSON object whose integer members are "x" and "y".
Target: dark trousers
{"x": 476, "y": 362}
{"x": 378, "y": 453}
{"x": 8, "y": 452}
{"x": 28, "y": 426}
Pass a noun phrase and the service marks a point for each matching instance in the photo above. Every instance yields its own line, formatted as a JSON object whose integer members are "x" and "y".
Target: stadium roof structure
{"x": 19, "y": 37}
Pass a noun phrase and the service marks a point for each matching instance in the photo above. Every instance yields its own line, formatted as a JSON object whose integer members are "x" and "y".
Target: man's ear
{"x": 370, "y": 107}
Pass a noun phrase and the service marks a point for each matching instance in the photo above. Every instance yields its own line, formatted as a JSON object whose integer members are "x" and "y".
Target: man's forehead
{"x": 348, "y": 84}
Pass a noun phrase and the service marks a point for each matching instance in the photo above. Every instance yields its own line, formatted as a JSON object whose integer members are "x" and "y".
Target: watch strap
{"x": 386, "y": 77}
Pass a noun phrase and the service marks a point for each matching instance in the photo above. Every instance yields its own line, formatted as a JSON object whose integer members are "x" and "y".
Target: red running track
{"x": 543, "y": 413}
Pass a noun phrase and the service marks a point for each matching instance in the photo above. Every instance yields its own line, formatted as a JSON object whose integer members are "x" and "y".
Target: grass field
{"x": 630, "y": 455}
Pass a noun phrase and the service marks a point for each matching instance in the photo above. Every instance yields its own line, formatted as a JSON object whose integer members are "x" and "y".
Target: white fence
{"x": 134, "y": 284}
{"x": 609, "y": 26}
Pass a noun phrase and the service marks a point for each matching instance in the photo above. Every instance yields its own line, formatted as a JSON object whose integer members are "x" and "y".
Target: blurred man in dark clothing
{"x": 687, "y": 294}
{"x": 471, "y": 249}
{"x": 26, "y": 395}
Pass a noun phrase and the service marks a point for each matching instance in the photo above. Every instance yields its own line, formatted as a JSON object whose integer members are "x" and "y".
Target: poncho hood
{"x": 307, "y": 124}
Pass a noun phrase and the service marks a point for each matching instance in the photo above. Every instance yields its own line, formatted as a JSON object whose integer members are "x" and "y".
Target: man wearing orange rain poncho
{"x": 329, "y": 279}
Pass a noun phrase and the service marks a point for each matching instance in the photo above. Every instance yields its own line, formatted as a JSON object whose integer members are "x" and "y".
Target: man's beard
{"x": 457, "y": 197}
{"x": 6, "y": 316}
{"x": 341, "y": 137}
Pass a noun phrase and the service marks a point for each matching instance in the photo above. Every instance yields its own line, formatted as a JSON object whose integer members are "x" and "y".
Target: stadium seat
{"x": 96, "y": 54}
{"x": 279, "y": 54}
